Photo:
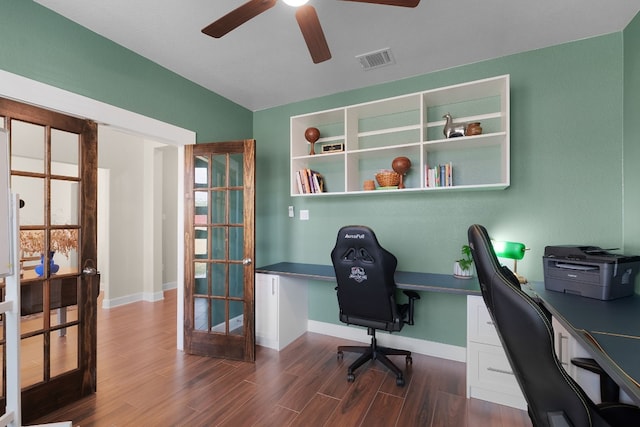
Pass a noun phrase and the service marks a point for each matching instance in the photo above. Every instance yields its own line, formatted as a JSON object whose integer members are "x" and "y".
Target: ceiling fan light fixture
{"x": 296, "y": 3}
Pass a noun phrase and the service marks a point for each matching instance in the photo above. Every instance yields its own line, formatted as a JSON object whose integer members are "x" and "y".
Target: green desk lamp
{"x": 511, "y": 250}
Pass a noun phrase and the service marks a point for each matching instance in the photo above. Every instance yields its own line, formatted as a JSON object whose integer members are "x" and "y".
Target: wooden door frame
{"x": 30, "y": 91}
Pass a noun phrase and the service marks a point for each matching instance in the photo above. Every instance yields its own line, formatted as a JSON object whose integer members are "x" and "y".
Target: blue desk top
{"x": 429, "y": 282}
{"x": 610, "y": 329}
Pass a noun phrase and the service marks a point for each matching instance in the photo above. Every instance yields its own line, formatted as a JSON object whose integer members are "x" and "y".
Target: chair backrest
{"x": 525, "y": 330}
{"x": 364, "y": 273}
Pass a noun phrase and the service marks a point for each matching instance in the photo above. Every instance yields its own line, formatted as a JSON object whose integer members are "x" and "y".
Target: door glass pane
{"x": 236, "y": 205}
{"x": 201, "y": 199}
{"x": 64, "y": 350}
{"x": 236, "y": 243}
{"x": 31, "y": 248}
{"x": 236, "y": 316}
{"x": 27, "y": 146}
{"x": 201, "y": 278}
{"x": 31, "y": 191}
{"x": 200, "y": 320}
{"x": 200, "y": 243}
{"x": 219, "y": 171}
{"x": 218, "y": 316}
{"x": 218, "y": 280}
{"x": 218, "y": 249}
{"x": 32, "y": 360}
{"x": 31, "y": 304}
{"x": 65, "y": 196}
{"x": 64, "y": 247}
{"x": 63, "y": 300}
{"x": 64, "y": 153}
{"x": 236, "y": 280}
{"x": 201, "y": 178}
{"x": 218, "y": 199}
{"x": 235, "y": 170}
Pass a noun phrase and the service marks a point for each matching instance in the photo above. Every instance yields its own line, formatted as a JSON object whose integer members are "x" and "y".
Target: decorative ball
{"x": 401, "y": 165}
{"x": 312, "y": 134}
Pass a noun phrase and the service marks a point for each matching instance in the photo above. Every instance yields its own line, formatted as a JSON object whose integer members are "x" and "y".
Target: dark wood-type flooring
{"x": 144, "y": 381}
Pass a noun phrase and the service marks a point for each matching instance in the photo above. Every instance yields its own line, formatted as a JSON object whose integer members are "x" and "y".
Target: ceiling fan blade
{"x": 312, "y": 32}
{"x": 403, "y": 3}
{"x": 237, "y": 17}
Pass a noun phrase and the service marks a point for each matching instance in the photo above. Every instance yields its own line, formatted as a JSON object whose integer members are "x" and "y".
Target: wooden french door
{"x": 54, "y": 171}
{"x": 219, "y": 250}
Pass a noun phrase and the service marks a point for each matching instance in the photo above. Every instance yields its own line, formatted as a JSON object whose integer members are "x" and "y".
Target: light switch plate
{"x": 291, "y": 213}
{"x": 304, "y": 215}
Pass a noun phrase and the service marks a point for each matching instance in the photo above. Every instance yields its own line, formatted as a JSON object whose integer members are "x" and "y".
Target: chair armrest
{"x": 609, "y": 390}
{"x": 412, "y": 295}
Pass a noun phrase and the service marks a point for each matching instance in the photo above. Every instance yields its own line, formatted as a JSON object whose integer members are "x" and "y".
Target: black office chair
{"x": 367, "y": 295}
{"x": 524, "y": 328}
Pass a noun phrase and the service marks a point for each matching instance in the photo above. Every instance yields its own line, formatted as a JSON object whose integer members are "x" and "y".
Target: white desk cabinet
{"x": 281, "y": 310}
{"x": 489, "y": 375}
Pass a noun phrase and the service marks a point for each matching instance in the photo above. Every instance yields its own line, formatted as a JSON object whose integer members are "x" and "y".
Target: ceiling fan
{"x": 305, "y": 15}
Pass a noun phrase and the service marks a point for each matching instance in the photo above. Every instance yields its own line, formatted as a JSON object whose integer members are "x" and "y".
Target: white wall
{"x": 135, "y": 233}
{"x": 170, "y": 217}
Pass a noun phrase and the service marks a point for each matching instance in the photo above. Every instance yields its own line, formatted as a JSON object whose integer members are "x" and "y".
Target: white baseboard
{"x": 128, "y": 299}
{"x": 428, "y": 348}
{"x": 169, "y": 285}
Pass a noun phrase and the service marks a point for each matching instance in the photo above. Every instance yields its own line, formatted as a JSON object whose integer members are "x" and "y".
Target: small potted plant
{"x": 463, "y": 267}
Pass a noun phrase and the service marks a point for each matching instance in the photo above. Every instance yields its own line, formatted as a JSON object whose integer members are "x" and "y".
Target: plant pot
{"x": 460, "y": 273}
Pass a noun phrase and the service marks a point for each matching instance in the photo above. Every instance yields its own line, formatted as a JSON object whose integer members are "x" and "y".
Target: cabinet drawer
{"x": 479, "y": 323}
{"x": 488, "y": 367}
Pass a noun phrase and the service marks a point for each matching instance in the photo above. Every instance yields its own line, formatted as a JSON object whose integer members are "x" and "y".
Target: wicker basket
{"x": 387, "y": 179}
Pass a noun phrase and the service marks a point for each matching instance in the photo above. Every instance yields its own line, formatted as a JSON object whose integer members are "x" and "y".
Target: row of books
{"x": 309, "y": 181}
{"x": 439, "y": 176}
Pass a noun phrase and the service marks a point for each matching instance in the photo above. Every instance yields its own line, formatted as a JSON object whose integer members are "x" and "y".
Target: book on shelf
{"x": 309, "y": 181}
{"x": 439, "y": 176}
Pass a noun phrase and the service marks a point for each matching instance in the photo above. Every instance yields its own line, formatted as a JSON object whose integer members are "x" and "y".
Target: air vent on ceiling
{"x": 376, "y": 59}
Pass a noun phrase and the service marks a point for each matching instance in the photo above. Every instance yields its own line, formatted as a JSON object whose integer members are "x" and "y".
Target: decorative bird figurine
{"x": 451, "y": 130}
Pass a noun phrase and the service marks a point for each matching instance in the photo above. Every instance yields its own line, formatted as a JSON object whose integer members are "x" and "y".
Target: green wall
{"x": 43, "y": 46}
{"x": 566, "y": 175}
{"x": 631, "y": 145}
{"x": 573, "y": 114}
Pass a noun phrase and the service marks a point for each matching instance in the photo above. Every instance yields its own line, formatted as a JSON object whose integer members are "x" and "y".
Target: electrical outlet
{"x": 304, "y": 215}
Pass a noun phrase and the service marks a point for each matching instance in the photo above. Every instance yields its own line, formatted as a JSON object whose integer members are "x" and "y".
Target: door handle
{"x": 247, "y": 261}
{"x": 89, "y": 269}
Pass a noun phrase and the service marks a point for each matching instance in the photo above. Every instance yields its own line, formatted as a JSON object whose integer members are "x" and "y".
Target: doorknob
{"x": 89, "y": 269}
{"x": 246, "y": 261}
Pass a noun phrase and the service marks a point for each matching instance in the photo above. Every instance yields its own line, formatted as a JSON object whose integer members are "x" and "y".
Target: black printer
{"x": 589, "y": 271}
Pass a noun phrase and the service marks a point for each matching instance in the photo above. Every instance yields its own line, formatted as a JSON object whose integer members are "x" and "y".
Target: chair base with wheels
{"x": 375, "y": 352}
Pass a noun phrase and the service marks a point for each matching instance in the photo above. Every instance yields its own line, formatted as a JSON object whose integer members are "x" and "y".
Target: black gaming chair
{"x": 524, "y": 327}
{"x": 367, "y": 295}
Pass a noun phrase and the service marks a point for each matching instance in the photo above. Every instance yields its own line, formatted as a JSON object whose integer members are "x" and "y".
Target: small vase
{"x": 53, "y": 268}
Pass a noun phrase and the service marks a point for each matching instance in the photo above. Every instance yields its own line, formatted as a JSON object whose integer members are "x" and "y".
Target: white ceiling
{"x": 265, "y": 62}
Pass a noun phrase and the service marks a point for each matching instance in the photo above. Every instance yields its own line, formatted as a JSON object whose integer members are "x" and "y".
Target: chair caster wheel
{"x": 351, "y": 378}
{"x": 409, "y": 360}
{"x": 340, "y": 355}
{"x": 400, "y": 382}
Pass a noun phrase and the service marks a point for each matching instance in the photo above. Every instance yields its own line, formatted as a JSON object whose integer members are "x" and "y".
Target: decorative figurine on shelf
{"x": 452, "y": 130}
{"x": 312, "y": 135}
{"x": 401, "y": 166}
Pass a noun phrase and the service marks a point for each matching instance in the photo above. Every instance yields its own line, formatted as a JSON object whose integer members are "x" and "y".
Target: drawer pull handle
{"x": 500, "y": 371}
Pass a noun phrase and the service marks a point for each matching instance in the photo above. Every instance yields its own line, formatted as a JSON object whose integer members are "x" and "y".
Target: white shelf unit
{"x": 375, "y": 133}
